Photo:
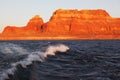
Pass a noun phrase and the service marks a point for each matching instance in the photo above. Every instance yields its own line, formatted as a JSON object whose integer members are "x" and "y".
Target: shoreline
{"x": 80, "y": 37}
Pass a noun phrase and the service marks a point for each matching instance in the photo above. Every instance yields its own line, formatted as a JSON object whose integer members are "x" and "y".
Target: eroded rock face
{"x": 32, "y": 28}
{"x": 13, "y": 31}
{"x": 35, "y": 23}
{"x": 91, "y": 22}
{"x": 82, "y": 14}
{"x": 69, "y": 22}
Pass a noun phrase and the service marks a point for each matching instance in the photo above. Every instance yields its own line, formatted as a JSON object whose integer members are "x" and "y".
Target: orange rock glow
{"x": 67, "y": 24}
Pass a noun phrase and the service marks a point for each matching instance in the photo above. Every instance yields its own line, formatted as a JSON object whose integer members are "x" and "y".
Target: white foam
{"x": 35, "y": 56}
{"x": 11, "y": 70}
{"x": 52, "y": 49}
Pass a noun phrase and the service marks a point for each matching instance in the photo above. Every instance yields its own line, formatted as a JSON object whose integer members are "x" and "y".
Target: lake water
{"x": 60, "y": 60}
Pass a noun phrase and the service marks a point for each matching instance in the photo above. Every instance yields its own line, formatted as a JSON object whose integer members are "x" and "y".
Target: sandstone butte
{"x": 67, "y": 24}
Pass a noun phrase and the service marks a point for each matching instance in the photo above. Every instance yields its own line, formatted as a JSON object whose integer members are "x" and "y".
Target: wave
{"x": 52, "y": 49}
{"x": 31, "y": 57}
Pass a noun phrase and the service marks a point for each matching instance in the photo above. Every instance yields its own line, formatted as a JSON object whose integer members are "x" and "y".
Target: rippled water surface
{"x": 60, "y": 60}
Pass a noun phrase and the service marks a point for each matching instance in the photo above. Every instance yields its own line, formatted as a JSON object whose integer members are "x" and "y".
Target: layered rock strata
{"x": 93, "y": 22}
{"x": 69, "y": 22}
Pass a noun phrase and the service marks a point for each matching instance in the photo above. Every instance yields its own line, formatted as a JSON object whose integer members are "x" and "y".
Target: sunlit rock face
{"x": 82, "y": 22}
{"x": 32, "y": 28}
{"x": 34, "y": 24}
{"x": 13, "y": 31}
{"x": 69, "y": 22}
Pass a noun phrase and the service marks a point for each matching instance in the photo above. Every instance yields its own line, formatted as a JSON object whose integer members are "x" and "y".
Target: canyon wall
{"x": 69, "y": 22}
{"x": 94, "y": 22}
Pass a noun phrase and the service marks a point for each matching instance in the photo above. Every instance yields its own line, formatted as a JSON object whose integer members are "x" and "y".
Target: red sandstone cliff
{"x": 69, "y": 22}
{"x": 91, "y": 22}
{"x": 31, "y": 29}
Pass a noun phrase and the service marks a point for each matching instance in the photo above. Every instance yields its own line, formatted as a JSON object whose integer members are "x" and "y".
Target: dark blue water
{"x": 85, "y": 60}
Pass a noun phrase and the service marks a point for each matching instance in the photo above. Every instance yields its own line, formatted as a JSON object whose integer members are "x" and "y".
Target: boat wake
{"x": 30, "y": 57}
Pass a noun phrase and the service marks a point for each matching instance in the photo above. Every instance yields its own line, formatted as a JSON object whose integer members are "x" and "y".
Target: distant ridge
{"x": 67, "y": 24}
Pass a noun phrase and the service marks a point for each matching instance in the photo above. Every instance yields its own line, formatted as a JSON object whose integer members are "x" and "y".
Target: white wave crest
{"x": 35, "y": 56}
{"x": 52, "y": 49}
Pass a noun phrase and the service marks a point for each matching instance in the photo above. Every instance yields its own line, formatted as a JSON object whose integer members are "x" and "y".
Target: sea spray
{"x": 34, "y": 56}
{"x": 39, "y": 56}
{"x": 52, "y": 49}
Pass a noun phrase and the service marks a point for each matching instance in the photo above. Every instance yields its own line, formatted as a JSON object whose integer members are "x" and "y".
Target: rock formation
{"x": 91, "y": 22}
{"x": 31, "y": 29}
{"x": 71, "y": 23}
{"x": 34, "y": 25}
